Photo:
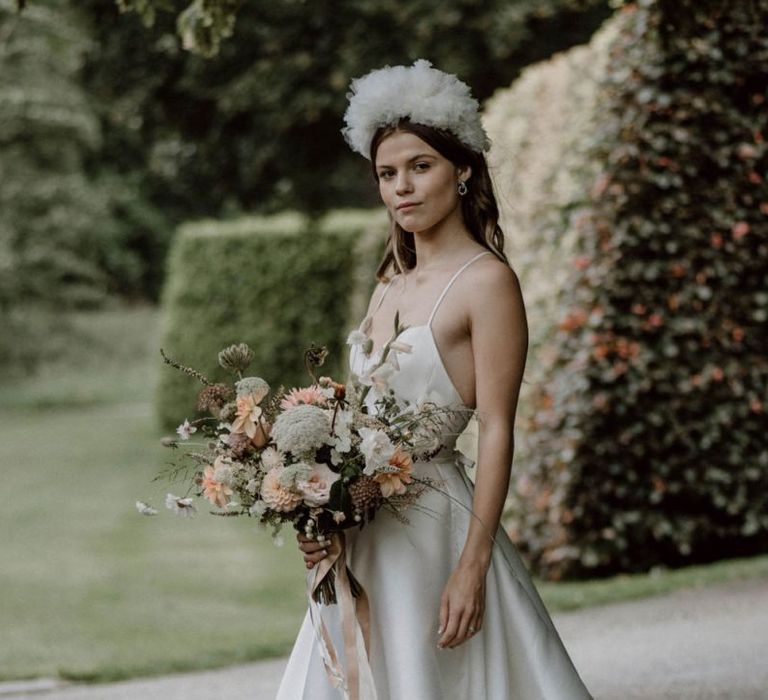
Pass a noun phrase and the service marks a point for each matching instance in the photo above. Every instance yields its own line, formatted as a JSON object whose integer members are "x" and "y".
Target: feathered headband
{"x": 424, "y": 94}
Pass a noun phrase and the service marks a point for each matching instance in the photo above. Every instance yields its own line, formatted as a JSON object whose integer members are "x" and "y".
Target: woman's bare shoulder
{"x": 493, "y": 286}
{"x": 489, "y": 274}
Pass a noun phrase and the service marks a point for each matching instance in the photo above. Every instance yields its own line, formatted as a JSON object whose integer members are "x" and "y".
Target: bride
{"x": 453, "y": 610}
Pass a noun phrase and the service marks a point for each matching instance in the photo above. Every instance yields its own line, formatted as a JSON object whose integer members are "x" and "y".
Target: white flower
{"x": 424, "y": 94}
{"x": 252, "y": 386}
{"x": 356, "y": 337}
{"x": 145, "y": 508}
{"x": 316, "y": 488}
{"x": 180, "y": 506}
{"x": 293, "y": 473}
{"x": 185, "y": 430}
{"x": 339, "y": 516}
{"x": 253, "y": 486}
{"x": 224, "y": 472}
{"x": 271, "y": 458}
{"x": 341, "y": 439}
{"x": 301, "y": 429}
{"x": 400, "y": 346}
{"x": 377, "y": 449}
{"x": 258, "y": 509}
{"x": 278, "y": 540}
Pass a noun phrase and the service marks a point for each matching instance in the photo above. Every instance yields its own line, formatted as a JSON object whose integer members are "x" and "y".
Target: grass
{"x": 94, "y": 591}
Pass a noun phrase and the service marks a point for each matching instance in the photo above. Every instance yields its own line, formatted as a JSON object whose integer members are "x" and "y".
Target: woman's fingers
{"x": 450, "y": 628}
{"x": 443, "y": 617}
{"x": 314, "y": 550}
{"x": 462, "y": 632}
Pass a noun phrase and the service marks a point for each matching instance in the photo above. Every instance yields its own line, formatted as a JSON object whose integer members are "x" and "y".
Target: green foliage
{"x": 257, "y": 127}
{"x": 647, "y": 443}
{"x": 69, "y": 238}
{"x": 277, "y": 283}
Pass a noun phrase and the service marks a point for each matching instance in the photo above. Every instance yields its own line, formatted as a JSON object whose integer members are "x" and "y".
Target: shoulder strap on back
{"x": 451, "y": 281}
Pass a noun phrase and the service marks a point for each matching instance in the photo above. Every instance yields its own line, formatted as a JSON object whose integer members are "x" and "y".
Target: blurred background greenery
{"x": 172, "y": 174}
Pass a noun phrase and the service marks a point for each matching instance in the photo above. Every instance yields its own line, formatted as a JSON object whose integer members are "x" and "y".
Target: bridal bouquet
{"x": 311, "y": 456}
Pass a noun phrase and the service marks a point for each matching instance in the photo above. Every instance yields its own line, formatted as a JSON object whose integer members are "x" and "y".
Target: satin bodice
{"x": 420, "y": 375}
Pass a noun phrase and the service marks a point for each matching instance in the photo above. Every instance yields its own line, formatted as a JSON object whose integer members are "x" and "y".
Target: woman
{"x": 453, "y": 611}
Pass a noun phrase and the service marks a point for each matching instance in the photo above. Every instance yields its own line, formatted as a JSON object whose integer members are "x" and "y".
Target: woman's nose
{"x": 403, "y": 184}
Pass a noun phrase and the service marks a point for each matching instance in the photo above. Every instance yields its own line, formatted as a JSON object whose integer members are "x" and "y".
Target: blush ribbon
{"x": 358, "y": 683}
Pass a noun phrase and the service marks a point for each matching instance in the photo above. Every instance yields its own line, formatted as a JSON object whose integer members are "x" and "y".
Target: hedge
{"x": 278, "y": 283}
{"x": 644, "y": 441}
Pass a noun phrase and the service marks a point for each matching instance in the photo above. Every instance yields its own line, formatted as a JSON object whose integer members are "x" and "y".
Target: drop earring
{"x": 462, "y": 187}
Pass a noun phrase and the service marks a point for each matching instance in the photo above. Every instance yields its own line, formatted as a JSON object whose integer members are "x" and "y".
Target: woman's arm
{"x": 499, "y": 333}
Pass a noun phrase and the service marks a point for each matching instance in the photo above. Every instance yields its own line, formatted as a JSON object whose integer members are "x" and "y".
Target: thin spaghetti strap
{"x": 381, "y": 298}
{"x": 450, "y": 282}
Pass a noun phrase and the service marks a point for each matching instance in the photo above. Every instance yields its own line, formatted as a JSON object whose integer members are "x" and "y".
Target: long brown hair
{"x": 478, "y": 207}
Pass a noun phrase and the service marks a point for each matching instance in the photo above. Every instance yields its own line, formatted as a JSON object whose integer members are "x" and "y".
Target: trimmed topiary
{"x": 277, "y": 283}
{"x": 645, "y": 440}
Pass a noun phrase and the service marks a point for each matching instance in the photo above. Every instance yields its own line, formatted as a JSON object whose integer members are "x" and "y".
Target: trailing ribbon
{"x": 355, "y": 623}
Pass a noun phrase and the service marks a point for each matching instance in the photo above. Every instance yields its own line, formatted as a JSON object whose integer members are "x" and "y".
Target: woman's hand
{"x": 314, "y": 550}
{"x": 462, "y": 605}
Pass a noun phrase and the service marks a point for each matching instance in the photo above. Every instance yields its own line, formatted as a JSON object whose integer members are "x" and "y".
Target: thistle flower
{"x": 236, "y": 358}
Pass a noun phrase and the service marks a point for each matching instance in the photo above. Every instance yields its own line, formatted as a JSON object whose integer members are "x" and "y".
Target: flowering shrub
{"x": 645, "y": 443}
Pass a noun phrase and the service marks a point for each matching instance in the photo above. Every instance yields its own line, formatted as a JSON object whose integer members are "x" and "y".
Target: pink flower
{"x": 248, "y": 415}
{"x": 316, "y": 490}
{"x": 275, "y": 495}
{"x": 216, "y": 492}
{"x": 309, "y": 395}
{"x": 394, "y": 482}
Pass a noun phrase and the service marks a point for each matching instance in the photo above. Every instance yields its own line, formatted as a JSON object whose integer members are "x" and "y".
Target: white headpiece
{"x": 424, "y": 94}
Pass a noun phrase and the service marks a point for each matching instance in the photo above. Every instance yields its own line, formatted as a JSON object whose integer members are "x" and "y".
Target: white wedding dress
{"x": 516, "y": 655}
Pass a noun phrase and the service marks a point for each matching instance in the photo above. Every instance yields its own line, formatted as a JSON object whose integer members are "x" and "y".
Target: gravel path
{"x": 691, "y": 644}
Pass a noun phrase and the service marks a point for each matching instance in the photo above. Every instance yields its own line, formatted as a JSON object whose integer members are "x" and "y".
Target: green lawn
{"x": 92, "y": 590}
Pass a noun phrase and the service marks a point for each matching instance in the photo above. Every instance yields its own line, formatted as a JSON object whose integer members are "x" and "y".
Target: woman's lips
{"x": 410, "y": 205}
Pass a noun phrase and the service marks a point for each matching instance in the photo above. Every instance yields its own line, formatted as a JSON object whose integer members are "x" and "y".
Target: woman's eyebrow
{"x": 410, "y": 160}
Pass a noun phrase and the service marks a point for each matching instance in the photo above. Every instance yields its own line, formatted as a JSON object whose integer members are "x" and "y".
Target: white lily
{"x": 400, "y": 346}
{"x": 381, "y": 376}
{"x": 356, "y": 337}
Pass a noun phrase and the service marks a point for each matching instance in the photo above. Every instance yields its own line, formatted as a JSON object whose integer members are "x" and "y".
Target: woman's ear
{"x": 464, "y": 172}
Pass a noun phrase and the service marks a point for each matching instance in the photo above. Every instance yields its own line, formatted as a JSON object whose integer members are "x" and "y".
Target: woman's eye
{"x": 386, "y": 174}
{"x": 422, "y": 166}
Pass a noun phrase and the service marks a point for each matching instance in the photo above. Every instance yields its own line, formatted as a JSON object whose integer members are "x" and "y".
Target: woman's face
{"x": 417, "y": 184}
